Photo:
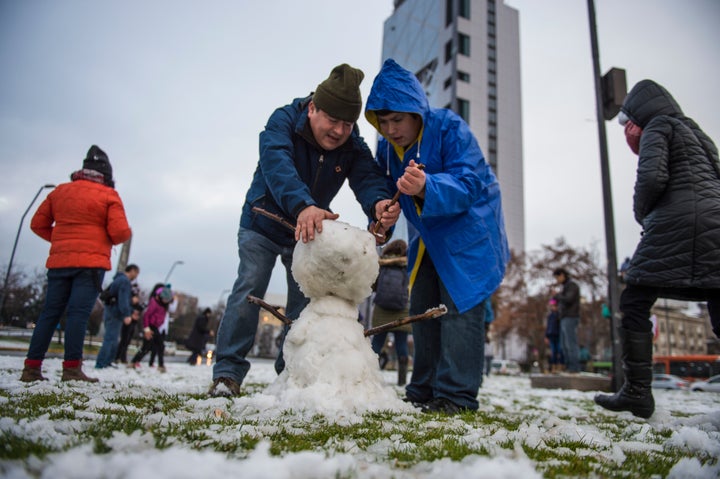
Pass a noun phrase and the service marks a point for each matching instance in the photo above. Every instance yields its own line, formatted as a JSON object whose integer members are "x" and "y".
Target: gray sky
{"x": 176, "y": 93}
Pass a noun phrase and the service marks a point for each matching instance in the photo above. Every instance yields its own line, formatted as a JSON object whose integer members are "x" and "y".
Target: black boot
{"x": 402, "y": 370}
{"x": 636, "y": 394}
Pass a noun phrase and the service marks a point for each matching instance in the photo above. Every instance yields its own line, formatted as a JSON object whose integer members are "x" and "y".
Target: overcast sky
{"x": 176, "y": 93}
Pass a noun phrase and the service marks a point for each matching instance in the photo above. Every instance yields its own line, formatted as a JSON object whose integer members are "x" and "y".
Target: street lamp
{"x": 171, "y": 270}
{"x": 17, "y": 237}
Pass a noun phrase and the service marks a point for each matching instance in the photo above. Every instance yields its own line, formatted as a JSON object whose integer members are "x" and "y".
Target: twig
{"x": 272, "y": 310}
{"x": 394, "y": 200}
{"x": 429, "y": 314}
{"x": 274, "y": 217}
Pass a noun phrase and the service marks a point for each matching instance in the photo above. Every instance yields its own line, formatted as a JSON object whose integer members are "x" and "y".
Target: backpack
{"x": 107, "y": 297}
{"x": 392, "y": 288}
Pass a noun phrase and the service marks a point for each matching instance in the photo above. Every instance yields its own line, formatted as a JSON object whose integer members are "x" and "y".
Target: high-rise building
{"x": 466, "y": 54}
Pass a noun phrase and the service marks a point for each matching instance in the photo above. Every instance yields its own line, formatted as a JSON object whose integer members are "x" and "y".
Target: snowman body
{"x": 329, "y": 363}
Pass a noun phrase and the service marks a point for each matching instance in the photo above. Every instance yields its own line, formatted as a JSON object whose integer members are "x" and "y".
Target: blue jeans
{"x": 74, "y": 290}
{"x": 236, "y": 333}
{"x": 449, "y": 350}
{"x": 401, "y": 349}
{"x": 111, "y": 340}
{"x": 569, "y": 343}
{"x": 556, "y": 356}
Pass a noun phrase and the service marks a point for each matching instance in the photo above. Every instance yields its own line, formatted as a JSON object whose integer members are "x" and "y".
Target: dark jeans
{"x": 556, "y": 355}
{"x": 401, "y": 349}
{"x": 236, "y": 333}
{"x": 111, "y": 340}
{"x": 155, "y": 344}
{"x": 126, "y": 335}
{"x": 74, "y": 290}
{"x": 636, "y": 302}
{"x": 449, "y": 351}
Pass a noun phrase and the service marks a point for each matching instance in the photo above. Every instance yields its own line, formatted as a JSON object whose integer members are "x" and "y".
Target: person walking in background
{"x": 128, "y": 329}
{"x": 153, "y": 319}
{"x": 677, "y": 202}
{"x": 391, "y": 303}
{"x": 82, "y": 220}
{"x": 198, "y": 337}
{"x": 116, "y": 314}
{"x": 164, "y": 329}
{"x": 457, "y": 251}
{"x": 307, "y": 151}
{"x": 568, "y": 302}
{"x": 552, "y": 336}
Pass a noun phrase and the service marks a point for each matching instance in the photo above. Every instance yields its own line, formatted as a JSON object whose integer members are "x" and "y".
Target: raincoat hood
{"x": 395, "y": 89}
{"x": 647, "y": 100}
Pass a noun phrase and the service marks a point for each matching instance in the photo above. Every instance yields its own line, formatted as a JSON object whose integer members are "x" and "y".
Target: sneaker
{"x": 443, "y": 406}
{"x": 229, "y": 388}
{"x": 133, "y": 365}
{"x": 161, "y": 369}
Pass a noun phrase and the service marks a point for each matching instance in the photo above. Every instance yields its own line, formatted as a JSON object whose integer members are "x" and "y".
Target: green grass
{"x": 401, "y": 441}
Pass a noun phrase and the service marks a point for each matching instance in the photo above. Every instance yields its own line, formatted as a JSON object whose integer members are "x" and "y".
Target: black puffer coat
{"x": 677, "y": 195}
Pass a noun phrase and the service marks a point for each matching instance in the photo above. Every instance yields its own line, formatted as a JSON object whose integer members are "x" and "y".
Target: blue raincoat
{"x": 460, "y": 221}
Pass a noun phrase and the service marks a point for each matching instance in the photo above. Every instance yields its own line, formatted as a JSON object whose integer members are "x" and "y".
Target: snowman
{"x": 329, "y": 364}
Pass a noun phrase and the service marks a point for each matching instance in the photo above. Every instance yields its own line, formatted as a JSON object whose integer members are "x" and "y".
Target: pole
{"x": 171, "y": 270}
{"x": 124, "y": 256}
{"x": 613, "y": 286}
{"x": 12, "y": 255}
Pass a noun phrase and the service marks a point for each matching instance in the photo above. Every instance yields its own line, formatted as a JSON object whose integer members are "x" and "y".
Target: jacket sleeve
{"x": 652, "y": 173}
{"x": 458, "y": 185}
{"x": 123, "y": 295}
{"x": 366, "y": 178}
{"x": 42, "y": 221}
{"x": 117, "y": 225}
{"x": 277, "y": 163}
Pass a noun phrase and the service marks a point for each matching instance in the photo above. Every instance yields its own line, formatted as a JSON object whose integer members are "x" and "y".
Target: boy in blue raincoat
{"x": 457, "y": 249}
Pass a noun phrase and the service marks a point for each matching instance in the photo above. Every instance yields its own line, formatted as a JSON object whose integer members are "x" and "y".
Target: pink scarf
{"x": 632, "y": 135}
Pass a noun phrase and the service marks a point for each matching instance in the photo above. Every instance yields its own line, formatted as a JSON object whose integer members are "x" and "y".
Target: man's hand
{"x": 412, "y": 182}
{"x": 148, "y": 334}
{"x": 310, "y": 220}
{"x": 386, "y": 214}
{"x": 127, "y": 320}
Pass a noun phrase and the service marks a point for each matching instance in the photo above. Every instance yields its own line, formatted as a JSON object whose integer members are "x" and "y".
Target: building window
{"x": 448, "y": 12}
{"x": 464, "y": 9}
{"x": 491, "y": 6}
{"x": 463, "y": 76}
{"x": 448, "y": 106}
{"x": 463, "y": 109}
{"x": 447, "y": 83}
{"x": 464, "y": 44}
{"x": 448, "y": 51}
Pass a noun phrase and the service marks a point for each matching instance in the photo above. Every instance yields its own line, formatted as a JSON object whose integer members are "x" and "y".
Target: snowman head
{"x": 341, "y": 261}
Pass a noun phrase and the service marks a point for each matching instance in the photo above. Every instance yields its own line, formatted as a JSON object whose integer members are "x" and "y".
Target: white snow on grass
{"x": 547, "y": 417}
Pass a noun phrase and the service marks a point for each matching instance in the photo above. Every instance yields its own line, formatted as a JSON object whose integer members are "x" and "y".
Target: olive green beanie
{"x": 339, "y": 95}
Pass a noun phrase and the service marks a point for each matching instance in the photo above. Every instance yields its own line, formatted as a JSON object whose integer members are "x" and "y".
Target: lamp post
{"x": 12, "y": 255}
{"x": 613, "y": 286}
{"x": 171, "y": 270}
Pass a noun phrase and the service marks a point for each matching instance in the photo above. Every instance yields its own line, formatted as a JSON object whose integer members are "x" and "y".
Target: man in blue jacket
{"x": 458, "y": 248}
{"x": 117, "y": 312}
{"x": 307, "y": 151}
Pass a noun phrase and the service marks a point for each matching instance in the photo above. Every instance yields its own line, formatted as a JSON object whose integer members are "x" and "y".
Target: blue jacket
{"x": 122, "y": 288}
{"x": 294, "y": 172}
{"x": 460, "y": 221}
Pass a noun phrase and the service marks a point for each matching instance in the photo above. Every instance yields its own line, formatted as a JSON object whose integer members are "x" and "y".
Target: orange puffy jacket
{"x": 81, "y": 220}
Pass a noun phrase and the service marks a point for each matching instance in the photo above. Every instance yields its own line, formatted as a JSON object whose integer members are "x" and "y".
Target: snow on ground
{"x": 694, "y": 418}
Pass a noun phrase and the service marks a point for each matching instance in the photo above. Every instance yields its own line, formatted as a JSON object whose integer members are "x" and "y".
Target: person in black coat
{"x": 198, "y": 337}
{"x": 677, "y": 202}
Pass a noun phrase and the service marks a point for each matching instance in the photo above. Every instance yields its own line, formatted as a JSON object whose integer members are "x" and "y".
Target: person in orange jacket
{"x": 82, "y": 220}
